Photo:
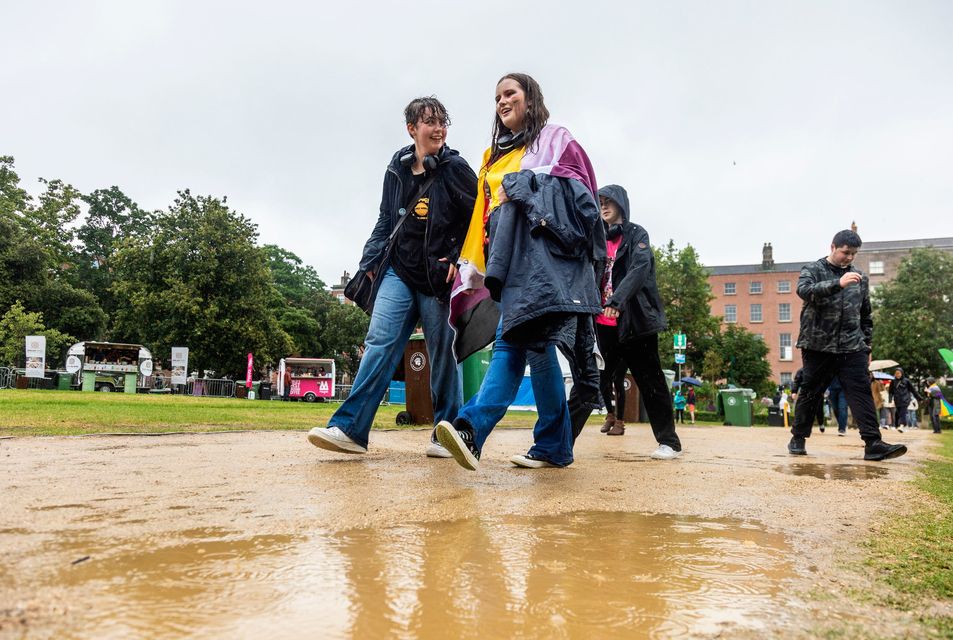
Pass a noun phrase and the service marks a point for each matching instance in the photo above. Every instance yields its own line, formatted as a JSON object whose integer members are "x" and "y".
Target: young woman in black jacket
{"x": 632, "y": 318}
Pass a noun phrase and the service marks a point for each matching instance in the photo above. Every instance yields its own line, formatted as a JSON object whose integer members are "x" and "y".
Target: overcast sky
{"x": 731, "y": 124}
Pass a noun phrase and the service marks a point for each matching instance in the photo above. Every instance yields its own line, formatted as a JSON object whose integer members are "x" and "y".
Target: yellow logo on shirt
{"x": 422, "y": 208}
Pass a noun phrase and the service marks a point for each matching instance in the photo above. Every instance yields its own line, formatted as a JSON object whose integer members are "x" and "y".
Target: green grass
{"x": 68, "y": 413}
{"x": 914, "y": 554}
{"x": 48, "y": 413}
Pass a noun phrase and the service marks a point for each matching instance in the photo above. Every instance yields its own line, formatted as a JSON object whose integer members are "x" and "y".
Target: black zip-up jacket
{"x": 834, "y": 319}
{"x": 452, "y": 195}
{"x": 901, "y": 390}
{"x": 635, "y": 291}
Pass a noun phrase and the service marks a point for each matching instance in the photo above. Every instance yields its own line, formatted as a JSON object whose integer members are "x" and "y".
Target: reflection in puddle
{"x": 578, "y": 575}
{"x": 834, "y": 471}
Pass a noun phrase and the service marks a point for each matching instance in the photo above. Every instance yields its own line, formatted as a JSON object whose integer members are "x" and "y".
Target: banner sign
{"x": 180, "y": 365}
{"x": 248, "y": 373}
{"x": 35, "y": 356}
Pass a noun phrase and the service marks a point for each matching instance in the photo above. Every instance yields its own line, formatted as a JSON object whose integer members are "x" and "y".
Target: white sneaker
{"x": 333, "y": 439}
{"x": 437, "y": 450}
{"x": 900, "y": 429}
{"x": 526, "y": 462}
{"x": 665, "y": 452}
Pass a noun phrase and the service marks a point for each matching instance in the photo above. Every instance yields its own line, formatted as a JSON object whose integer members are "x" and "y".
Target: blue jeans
{"x": 397, "y": 309}
{"x": 552, "y": 434}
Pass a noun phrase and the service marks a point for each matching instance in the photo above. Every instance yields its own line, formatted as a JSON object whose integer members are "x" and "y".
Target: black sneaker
{"x": 796, "y": 447}
{"x": 880, "y": 450}
{"x": 460, "y": 444}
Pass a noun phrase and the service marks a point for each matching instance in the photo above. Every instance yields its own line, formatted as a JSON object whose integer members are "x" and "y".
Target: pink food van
{"x": 312, "y": 379}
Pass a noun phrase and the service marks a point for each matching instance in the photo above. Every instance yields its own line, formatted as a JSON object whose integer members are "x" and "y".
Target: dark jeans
{"x": 612, "y": 377}
{"x": 900, "y": 410}
{"x": 851, "y": 369}
{"x": 640, "y": 356}
{"x": 839, "y": 406}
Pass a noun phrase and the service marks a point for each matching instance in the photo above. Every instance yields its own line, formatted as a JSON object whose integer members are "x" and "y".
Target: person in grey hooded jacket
{"x": 632, "y": 317}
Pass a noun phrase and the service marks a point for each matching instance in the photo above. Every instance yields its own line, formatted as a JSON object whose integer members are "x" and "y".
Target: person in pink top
{"x": 631, "y": 319}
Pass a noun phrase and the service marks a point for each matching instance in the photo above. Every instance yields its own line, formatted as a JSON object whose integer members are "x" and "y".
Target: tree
{"x": 301, "y": 302}
{"x": 344, "y": 335}
{"x": 111, "y": 218}
{"x": 686, "y": 294}
{"x": 16, "y": 324}
{"x": 198, "y": 280}
{"x": 913, "y": 315}
{"x": 745, "y": 358}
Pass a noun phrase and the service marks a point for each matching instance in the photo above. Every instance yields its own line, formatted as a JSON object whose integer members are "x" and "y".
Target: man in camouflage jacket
{"x": 836, "y": 333}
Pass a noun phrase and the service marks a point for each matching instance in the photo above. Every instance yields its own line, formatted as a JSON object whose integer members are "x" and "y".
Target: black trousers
{"x": 851, "y": 369}
{"x": 612, "y": 377}
{"x": 640, "y": 356}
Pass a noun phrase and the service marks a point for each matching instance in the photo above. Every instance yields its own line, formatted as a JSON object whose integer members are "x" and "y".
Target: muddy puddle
{"x": 582, "y": 575}
{"x": 834, "y": 471}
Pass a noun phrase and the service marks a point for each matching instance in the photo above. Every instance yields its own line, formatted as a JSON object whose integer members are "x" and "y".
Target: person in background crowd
{"x": 286, "y": 384}
{"x": 901, "y": 392}
{"x": 691, "y": 398}
{"x": 838, "y": 403}
{"x": 835, "y": 338}
{"x": 680, "y": 403}
{"x": 888, "y": 416}
{"x": 912, "y": 422}
{"x": 935, "y": 395}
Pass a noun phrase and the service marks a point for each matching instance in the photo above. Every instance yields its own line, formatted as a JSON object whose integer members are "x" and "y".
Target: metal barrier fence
{"x": 8, "y": 378}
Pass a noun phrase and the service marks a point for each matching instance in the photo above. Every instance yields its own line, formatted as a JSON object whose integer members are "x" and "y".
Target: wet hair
{"x": 846, "y": 238}
{"x": 537, "y": 115}
{"x": 418, "y": 108}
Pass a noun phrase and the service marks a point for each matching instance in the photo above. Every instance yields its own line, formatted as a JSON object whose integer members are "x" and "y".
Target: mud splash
{"x": 577, "y": 575}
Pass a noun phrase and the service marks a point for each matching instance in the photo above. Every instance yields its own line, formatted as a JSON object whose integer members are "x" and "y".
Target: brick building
{"x": 763, "y": 297}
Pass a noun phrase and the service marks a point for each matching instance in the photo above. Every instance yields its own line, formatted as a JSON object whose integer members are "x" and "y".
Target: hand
{"x": 611, "y": 312}
{"x": 453, "y": 269}
{"x": 849, "y": 278}
{"x": 370, "y": 274}
{"x": 501, "y": 195}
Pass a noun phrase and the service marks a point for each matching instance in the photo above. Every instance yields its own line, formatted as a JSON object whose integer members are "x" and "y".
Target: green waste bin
{"x": 474, "y": 370}
{"x": 64, "y": 381}
{"x": 737, "y": 406}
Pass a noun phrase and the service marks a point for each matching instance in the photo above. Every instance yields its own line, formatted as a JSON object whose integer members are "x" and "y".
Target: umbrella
{"x": 880, "y": 375}
{"x": 692, "y": 381}
{"x": 877, "y": 365}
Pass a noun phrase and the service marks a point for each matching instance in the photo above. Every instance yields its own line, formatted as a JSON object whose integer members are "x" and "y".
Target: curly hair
{"x": 537, "y": 115}
{"x": 418, "y": 108}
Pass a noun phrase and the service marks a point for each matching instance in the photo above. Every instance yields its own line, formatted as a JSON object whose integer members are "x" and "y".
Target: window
{"x": 876, "y": 267}
{"x": 756, "y": 313}
{"x": 784, "y": 286}
{"x": 754, "y": 287}
{"x": 784, "y": 312}
{"x": 786, "y": 378}
{"x": 729, "y": 288}
{"x": 787, "y": 352}
{"x": 731, "y": 313}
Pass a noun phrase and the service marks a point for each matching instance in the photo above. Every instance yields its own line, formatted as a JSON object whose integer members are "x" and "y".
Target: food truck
{"x": 312, "y": 379}
{"x": 108, "y": 366}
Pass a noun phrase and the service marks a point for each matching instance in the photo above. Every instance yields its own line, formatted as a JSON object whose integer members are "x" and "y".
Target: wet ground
{"x": 255, "y": 535}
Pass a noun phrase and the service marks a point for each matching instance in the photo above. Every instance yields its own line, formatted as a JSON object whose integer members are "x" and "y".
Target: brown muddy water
{"x": 834, "y": 471}
{"x": 578, "y": 575}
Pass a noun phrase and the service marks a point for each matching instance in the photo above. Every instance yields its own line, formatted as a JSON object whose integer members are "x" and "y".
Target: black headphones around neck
{"x": 430, "y": 162}
{"x": 510, "y": 140}
{"x": 613, "y": 231}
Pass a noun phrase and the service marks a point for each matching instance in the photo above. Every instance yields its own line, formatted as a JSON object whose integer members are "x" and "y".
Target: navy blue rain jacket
{"x": 451, "y": 205}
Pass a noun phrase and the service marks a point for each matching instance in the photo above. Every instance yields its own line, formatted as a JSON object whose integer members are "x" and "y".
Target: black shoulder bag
{"x": 360, "y": 288}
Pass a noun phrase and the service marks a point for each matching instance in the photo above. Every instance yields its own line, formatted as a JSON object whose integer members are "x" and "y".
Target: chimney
{"x": 345, "y": 278}
{"x": 767, "y": 257}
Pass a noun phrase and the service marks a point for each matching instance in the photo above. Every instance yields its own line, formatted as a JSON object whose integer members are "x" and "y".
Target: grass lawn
{"x": 914, "y": 555}
{"x": 49, "y": 413}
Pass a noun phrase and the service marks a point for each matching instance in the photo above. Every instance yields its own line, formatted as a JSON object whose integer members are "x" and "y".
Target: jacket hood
{"x": 618, "y": 195}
